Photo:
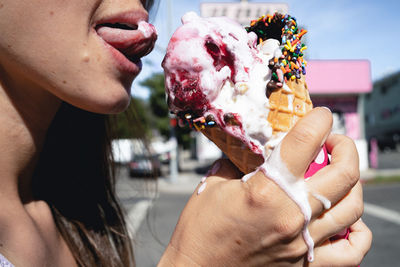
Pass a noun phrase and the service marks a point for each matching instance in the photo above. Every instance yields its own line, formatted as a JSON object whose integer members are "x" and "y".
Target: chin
{"x": 109, "y": 103}
{"x": 114, "y": 105}
{"x": 117, "y": 101}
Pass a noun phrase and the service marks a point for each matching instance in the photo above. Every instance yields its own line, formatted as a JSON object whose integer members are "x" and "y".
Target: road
{"x": 153, "y": 215}
{"x": 382, "y": 215}
{"x": 153, "y": 209}
{"x": 389, "y": 159}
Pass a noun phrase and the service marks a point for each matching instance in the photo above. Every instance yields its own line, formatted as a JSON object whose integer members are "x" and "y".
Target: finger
{"x": 339, "y": 217}
{"x": 360, "y": 237}
{"x": 301, "y": 145}
{"x": 345, "y": 252}
{"x": 335, "y": 180}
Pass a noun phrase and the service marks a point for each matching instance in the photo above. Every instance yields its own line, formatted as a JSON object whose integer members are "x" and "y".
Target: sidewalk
{"x": 184, "y": 183}
{"x": 187, "y": 180}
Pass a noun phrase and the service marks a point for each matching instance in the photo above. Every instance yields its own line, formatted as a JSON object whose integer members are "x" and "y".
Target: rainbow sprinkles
{"x": 284, "y": 28}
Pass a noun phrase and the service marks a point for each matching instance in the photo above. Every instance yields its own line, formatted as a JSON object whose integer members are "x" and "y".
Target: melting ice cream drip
{"x": 147, "y": 29}
{"x": 275, "y": 169}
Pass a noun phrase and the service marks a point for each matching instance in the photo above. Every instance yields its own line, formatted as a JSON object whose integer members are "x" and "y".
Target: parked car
{"x": 144, "y": 166}
{"x": 165, "y": 157}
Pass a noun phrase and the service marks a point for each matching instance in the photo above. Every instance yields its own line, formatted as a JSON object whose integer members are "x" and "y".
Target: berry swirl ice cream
{"x": 217, "y": 73}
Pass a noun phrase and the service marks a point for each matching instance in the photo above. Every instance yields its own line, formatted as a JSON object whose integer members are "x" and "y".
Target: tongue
{"x": 119, "y": 38}
{"x": 123, "y": 38}
{"x": 132, "y": 43}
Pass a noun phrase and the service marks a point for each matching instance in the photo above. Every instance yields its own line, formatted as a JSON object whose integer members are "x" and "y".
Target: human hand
{"x": 255, "y": 223}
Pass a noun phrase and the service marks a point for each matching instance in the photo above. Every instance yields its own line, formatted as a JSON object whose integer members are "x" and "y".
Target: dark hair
{"x": 74, "y": 175}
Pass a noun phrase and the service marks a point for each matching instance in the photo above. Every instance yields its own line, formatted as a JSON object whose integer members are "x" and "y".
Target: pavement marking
{"x": 136, "y": 216}
{"x": 382, "y": 213}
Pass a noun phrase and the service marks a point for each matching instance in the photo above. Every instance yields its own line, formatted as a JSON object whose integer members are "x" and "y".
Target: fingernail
{"x": 327, "y": 108}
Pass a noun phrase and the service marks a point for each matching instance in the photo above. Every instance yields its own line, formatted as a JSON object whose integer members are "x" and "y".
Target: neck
{"x": 26, "y": 112}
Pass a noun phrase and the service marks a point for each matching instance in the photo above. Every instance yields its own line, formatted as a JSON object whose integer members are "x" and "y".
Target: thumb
{"x": 303, "y": 142}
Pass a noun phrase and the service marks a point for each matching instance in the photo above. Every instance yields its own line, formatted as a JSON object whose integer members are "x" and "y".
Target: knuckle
{"x": 289, "y": 227}
{"x": 357, "y": 259}
{"x": 294, "y": 251}
{"x": 299, "y": 249}
{"x": 358, "y": 208}
{"x": 352, "y": 171}
{"x": 349, "y": 142}
{"x": 259, "y": 191}
{"x": 356, "y": 203}
{"x": 305, "y": 135}
{"x": 258, "y": 196}
{"x": 351, "y": 175}
{"x": 370, "y": 236}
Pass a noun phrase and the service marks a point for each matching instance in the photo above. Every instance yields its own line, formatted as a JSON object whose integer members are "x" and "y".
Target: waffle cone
{"x": 239, "y": 153}
{"x": 285, "y": 108}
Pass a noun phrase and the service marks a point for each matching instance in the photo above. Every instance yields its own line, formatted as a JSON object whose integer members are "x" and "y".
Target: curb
{"x": 372, "y": 173}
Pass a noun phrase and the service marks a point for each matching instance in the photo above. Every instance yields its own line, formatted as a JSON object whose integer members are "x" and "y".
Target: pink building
{"x": 341, "y": 85}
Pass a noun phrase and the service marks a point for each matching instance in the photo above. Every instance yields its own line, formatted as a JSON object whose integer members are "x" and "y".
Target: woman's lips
{"x": 128, "y": 45}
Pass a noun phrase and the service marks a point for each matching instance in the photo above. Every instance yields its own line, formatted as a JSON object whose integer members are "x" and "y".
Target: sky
{"x": 340, "y": 29}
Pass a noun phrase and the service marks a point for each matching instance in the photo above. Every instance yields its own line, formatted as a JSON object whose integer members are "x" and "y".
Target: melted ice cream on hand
{"x": 216, "y": 71}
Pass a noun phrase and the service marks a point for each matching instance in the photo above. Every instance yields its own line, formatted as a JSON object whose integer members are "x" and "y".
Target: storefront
{"x": 341, "y": 85}
{"x": 382, "y": 113}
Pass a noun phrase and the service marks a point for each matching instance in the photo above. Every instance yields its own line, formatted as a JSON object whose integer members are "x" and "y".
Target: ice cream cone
{"x": 240, "y": 155}
{"x": 287, "y": 106}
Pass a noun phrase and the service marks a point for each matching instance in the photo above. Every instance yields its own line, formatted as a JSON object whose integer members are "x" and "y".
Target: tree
{"x": 134, "y": 122}
{"x": 157, "y": 103}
